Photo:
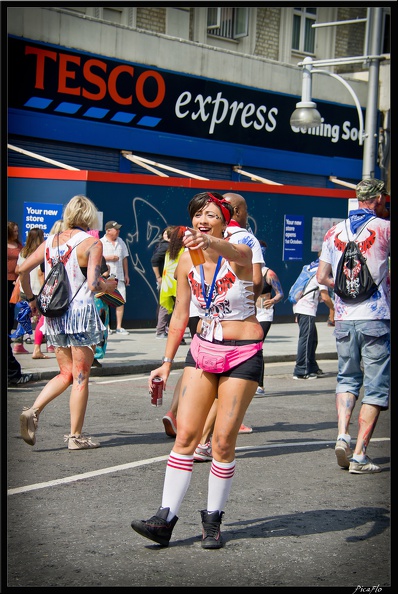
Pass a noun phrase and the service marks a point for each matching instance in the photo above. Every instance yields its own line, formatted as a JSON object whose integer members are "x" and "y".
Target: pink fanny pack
{"x": 216, "y": 358}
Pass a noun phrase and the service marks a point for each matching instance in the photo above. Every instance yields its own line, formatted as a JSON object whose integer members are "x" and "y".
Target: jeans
{"x": 363, "y": 348}
{"x": 306, "y": 347}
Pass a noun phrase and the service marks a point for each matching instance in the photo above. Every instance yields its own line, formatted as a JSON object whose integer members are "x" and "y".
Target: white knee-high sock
{"x": 176, "y": 482}
{"x": 220, "y": 483}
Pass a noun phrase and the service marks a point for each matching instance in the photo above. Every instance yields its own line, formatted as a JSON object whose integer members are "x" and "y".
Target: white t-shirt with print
{"x": 240, "y": 235}
{"x": 374, "y": 240}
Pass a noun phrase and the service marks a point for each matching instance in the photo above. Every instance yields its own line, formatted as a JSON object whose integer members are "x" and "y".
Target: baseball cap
{"x": 112, "y": 225}
{"x": 370, "y": 188}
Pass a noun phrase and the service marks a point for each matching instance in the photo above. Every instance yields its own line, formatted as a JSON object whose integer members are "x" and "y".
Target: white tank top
{"x": 82, "y": 315}
{"x": 232, "y": 299}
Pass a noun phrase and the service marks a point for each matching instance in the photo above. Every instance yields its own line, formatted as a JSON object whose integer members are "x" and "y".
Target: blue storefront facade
{"x": 88, "y": 111}
{"x": 291, "y": 219}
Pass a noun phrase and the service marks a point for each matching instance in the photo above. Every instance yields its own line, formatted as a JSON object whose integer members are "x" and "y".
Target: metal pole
{"x": 370, "y": 143}
{"x": 361, "y": 132}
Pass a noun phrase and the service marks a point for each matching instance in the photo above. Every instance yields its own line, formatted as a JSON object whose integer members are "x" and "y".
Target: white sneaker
{"x": 203, "y": 453}
{"x": 343, "y": 453}
{"x": 367, "y": 467}
{"x": 121, "y": 331}
{"x": 308, "y": 376}
{"x": 259, "y": 392}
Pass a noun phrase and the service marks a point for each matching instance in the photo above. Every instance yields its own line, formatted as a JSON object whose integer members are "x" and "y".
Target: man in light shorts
{"x": 116, "y": 256}
{"x": 362, "y": 330}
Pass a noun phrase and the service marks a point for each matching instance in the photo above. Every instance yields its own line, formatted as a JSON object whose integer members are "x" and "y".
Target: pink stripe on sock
{"x": 220, "y": 472}
{"x": 180, "y": 463}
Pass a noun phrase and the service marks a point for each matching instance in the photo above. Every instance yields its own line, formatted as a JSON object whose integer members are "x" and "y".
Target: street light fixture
{"x": 306, "y": 115}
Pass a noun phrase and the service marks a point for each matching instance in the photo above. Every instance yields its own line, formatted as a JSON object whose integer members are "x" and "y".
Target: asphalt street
{"x": 294, "y": 518}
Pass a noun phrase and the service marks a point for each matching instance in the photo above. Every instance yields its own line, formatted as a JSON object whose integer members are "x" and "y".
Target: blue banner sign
{"x": 293, "y": 237}
{"x": 41, "y": 215}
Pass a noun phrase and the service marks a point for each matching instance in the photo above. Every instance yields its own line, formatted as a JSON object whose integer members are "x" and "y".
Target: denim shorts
{"x": 248, "y": 370}
{"x": 363, "y": 348}
{"x": 79, "y": 339}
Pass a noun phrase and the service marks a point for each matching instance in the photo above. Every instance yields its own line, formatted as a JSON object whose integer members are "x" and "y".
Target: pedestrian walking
{"x": 305, "y": 310}
{"x": 224, "y": 359}
{"x": 157, "y": 263}
{"x": 236, "y": 232}
{"x": 34, "y": 238}
{"x": 14, "y": 247}
{"x": 272, "y": 293}
{"x": 116, "y": 256}
{"x": 362, "y": 327}
{"x": 75, "y": 334}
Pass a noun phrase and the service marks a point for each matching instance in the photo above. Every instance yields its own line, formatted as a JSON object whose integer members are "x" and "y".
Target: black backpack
{"x": 53, "y": 299}
{"x": 353, "y": 281}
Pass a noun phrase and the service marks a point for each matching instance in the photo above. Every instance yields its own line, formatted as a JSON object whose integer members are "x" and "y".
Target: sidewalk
{"x": 140, "y": 351}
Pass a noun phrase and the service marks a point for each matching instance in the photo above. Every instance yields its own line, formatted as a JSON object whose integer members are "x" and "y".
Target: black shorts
{"x": 248, "y": 370}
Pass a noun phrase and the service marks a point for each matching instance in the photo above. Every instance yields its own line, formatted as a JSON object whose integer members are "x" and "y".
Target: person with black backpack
{"x": 356, "y": 253}
{"x": 75, "y": 332}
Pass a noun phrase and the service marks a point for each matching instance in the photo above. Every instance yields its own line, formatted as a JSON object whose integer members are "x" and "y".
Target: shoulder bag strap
{"x": 85, "y": 280}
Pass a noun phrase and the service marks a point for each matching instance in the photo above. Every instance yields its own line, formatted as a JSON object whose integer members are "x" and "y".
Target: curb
{"x": 147, "y": 366}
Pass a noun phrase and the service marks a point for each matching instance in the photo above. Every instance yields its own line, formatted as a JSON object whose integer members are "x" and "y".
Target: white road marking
{"x": 132, "y": 378}
{"x": 110, "y": 469}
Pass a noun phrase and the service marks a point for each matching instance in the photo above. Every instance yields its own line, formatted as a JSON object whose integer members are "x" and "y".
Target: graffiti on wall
{"x": 147, "y": 227}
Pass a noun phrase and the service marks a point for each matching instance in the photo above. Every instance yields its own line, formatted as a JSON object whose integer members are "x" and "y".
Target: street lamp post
{"x": 307, "y": 116}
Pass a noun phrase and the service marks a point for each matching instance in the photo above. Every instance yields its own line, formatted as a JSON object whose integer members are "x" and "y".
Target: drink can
{"x": 157, "y": 391}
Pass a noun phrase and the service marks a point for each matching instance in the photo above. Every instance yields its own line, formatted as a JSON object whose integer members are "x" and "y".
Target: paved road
{"x": 294, "y": 518}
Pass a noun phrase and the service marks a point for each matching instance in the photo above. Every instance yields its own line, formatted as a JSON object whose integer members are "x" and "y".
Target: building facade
{"x": 236, "y": 72}
{"x": 140, "y": 107}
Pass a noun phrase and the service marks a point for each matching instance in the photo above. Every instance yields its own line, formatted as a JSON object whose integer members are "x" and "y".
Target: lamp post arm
{"x": 353, "y": 95}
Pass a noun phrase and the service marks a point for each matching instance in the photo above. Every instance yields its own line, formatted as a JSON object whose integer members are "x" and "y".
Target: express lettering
{"x": 96, "y": 72}
{"x": 219, "y": 108}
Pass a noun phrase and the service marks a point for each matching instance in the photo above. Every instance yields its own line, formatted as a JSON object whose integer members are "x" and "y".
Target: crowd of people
{"x": 227, "y": 302}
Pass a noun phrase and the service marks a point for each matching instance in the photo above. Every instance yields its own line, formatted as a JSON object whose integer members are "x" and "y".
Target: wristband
{"x": 167, "y": 360}
{"x": 31, "y": 299}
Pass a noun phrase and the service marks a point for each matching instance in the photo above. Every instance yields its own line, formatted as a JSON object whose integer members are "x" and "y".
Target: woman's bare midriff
{"x": 248, "y": 329}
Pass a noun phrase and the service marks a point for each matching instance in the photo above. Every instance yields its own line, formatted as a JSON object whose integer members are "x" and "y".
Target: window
{"x": 386, "y": 39}
{"x": 303, "y": 37}
{"x": 228, "y": 22}
{"x": 112, "y": 15}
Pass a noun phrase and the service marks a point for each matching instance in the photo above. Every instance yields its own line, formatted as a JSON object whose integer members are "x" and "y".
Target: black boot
{"x": 156, "y": 528}
{"x": 211, "y": 522}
